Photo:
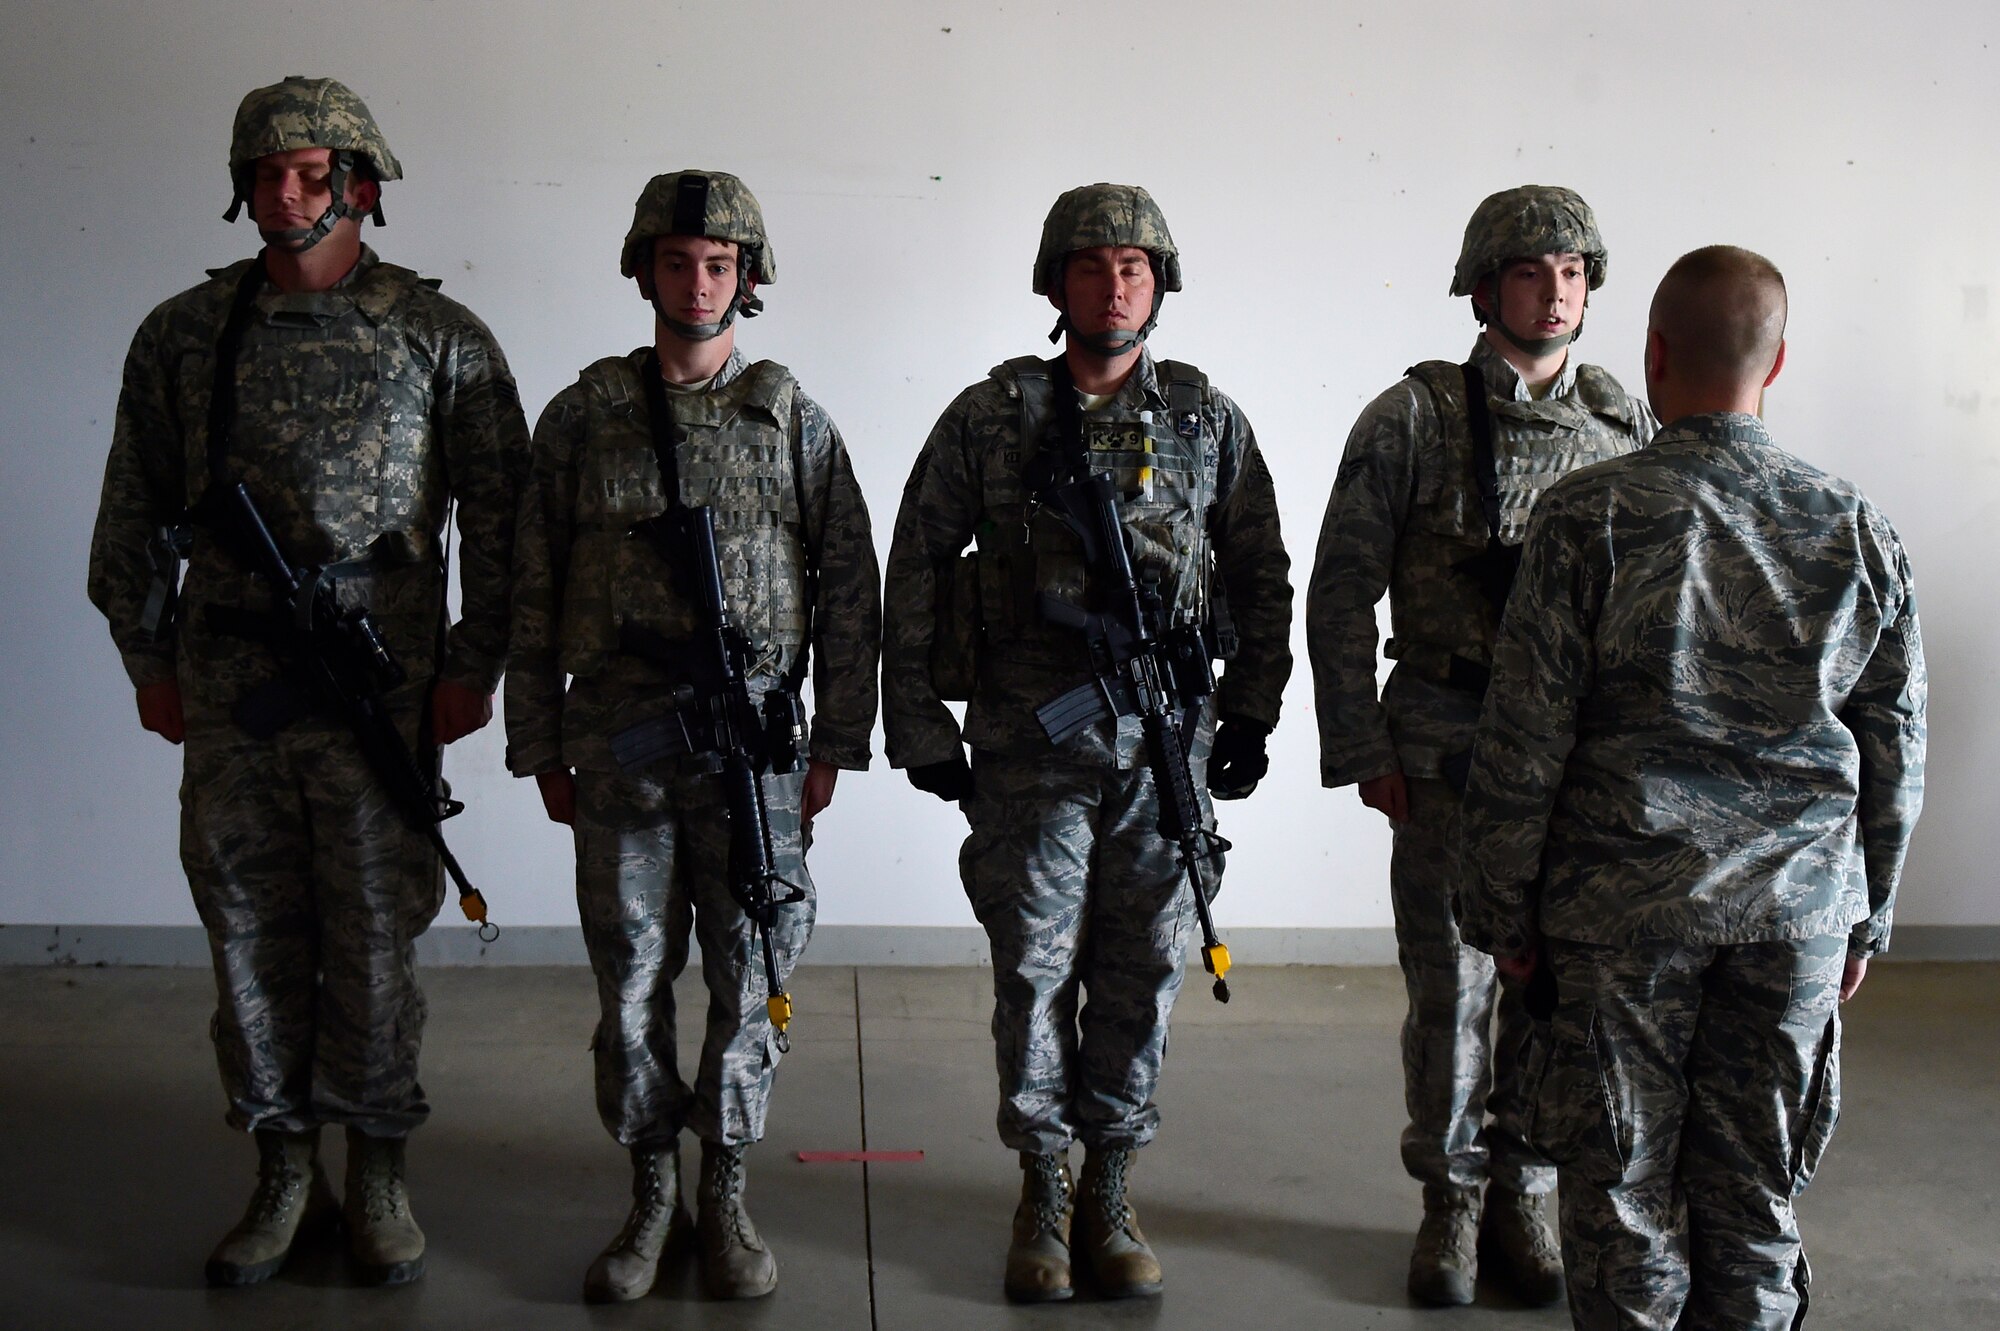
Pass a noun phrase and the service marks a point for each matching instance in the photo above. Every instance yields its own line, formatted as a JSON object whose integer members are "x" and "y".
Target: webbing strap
{"x": 228, "y": 348}
{"x": 1484, "y": 472}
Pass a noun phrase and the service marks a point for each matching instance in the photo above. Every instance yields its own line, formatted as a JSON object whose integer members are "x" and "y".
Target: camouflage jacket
{"x": 354, "y": 406}
{"x": 1706, "y": 722}
{"x": 1405, "y": 509}
{"x": 771, "y": 464}
{"x": 1197, "y": 504}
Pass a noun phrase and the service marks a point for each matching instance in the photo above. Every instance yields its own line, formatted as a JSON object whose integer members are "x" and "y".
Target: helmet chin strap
{"x": 1533, "y": 346}
{"x": 744, "y": 302}
{"x": 297, "y": 240}
{"x": 1112, "y": 342}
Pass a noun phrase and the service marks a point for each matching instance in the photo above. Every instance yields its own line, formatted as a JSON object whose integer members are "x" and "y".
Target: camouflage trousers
{"x": 652, "y": 862}
{"x": 1689, "y": 1094}
{"x": 1079, "y": 895}
{"x": 1466, "y": 1035}
{"x": 313, "y": 892}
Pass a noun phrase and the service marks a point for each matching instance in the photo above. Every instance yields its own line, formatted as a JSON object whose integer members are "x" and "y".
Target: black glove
{"x": 950, "y": 780}
{"x": 1238, "y": 761}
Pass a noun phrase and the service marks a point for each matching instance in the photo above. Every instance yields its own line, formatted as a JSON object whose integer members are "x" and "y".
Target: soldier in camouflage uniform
{"x": 598, "y": 603}
{"x": 1698, "y": 770}
{"x": 1065, "y": 865}
{"x": 1430, "y": 504}
{"x": 358, "y": 390}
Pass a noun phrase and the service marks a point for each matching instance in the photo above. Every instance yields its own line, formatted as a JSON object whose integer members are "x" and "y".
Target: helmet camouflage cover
{"x": 307, "y": 113}
{"x": 1101, "y": 214}
{"x": 700, "y": 203}
{"x": 1523, "y": 223}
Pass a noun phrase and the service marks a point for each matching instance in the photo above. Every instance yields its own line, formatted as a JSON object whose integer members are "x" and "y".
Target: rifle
{"x": 336, "y": 660}
{"x": 1145, "y": 667}
{"x": 715, "y": 722}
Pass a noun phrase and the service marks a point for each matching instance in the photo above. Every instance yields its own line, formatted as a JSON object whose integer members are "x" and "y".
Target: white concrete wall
{"x": 1317, "y": 163}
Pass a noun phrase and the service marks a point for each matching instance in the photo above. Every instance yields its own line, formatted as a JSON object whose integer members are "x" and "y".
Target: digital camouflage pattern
{"x": 1202, "y": 517}
{"x": 313, "y": 892}
{"x": 1065, "y": 868}
{"x": 1101, "y": 214}
{"x": 731, "y": 214}
{"x": 1405, "y": 510}
{"x": 652, "y": 856}
{"x": 1689, "y": 1095}
{"x": 354, "y": 406}
{"x": 579, "y": 578}
{"x": 1724, "y": 742}
{"x": 652, "y": 848}
{"x": 306, "y": 113}
{"x": 1465, "y": 1036}
{"x": 1211, "y": 491}
{"x": 1524, "y": 223}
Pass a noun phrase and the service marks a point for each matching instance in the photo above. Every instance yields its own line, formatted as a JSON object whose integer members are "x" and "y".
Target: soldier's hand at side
{"x": 160, "y": 710}
{"x": 1519, "y": 969}
{"x": 457, "y": 711}
{"x": 558, "y": 789}
{"x": 1387, "y": 794}
{"x": 1851, "y": 976}
{"x": 1238, "y": 761}
{"x": 950, "y": 780}
{"x": 819, "y": 789}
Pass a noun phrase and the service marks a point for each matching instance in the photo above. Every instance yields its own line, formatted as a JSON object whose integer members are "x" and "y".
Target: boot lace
{"x": 1107, "y": 1186}
{"x": 1051, "y": 1192}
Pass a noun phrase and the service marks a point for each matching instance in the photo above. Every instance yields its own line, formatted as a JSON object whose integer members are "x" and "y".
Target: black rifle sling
{"x": 666, "y": 455}
{"x": 666, "y": 436}
{"x": 228, "y": 348}
{"x": 1479, "y": 417}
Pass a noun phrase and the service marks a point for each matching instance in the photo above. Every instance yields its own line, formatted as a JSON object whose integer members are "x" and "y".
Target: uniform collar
{"x": 1716, "y": 427}
{"x": 1504, "y": 381}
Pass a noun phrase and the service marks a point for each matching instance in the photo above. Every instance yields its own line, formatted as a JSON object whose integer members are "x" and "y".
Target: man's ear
{"x": 1482, "y": 296}
{"x": 1777, "y": 364}
{"x": 1656, "y": 357}
{"x": 644, "y": 277}
{"x": 365, "y": 194}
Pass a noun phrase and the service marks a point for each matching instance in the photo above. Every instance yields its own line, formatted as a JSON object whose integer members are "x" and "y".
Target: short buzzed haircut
{"x": 1721, "y": 311}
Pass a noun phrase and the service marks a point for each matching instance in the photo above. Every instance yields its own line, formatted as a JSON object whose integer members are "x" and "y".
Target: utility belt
{"x": 1441, "y": 665}
{"x": 698, "y": 729}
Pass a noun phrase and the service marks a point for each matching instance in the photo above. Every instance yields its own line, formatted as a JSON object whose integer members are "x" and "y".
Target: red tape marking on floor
{"x": 862, "y": 1157}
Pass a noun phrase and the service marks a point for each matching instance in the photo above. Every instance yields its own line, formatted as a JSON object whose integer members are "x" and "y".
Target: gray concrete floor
{"x": 1273, "y": 1193}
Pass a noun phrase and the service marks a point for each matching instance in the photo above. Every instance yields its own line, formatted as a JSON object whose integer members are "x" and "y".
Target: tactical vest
{"x": 1165, "y": 467}
{"x": 333, "y": 429}
{"x": 1434, "y": 607}
{"x": 739, "y": 457}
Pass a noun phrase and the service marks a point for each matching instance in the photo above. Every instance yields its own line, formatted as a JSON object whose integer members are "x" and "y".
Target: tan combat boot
{"x": 293, "y": 1198}
{"x": 1107, "y": 1229}
{"x": 658, "y": 1221}
{"x": 1517, "y": 1245}
{"x": 735, "y": 1264}
{"x": 1444, "y": 1265}
{"x": 1038, "y": 1257}
{"x": 383, "y": 1240}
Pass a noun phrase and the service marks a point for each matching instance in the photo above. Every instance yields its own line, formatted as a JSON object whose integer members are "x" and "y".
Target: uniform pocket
{"x": 1581, "y": 1120}
{"x": 1821, "y": 1110}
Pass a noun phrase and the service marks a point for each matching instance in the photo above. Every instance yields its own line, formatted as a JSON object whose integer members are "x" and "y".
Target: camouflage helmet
{"x": 700, "y": 203}
{"x": 1101, "y": 214}
{"x": 307, "y": 113}
{"x": 1524, "y": 222}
